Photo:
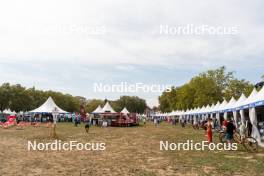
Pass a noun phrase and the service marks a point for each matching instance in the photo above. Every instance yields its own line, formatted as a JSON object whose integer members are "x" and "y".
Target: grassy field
{"x": 129, "y": 151}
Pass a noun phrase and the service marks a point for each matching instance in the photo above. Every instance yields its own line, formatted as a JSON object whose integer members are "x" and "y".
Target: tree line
{"x": 19, "y": 98}
{"x": 206, "y": 88}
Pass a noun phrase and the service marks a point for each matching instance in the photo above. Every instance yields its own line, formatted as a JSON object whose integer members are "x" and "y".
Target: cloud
{"x": 120, "y": 40}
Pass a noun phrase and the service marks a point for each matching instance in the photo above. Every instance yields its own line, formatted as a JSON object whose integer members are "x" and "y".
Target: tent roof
{"x": 215, "y": 107}
{"x": 8, "y": 111}
{"x": 48, "y": 107}
{"x": 251, "y": 98}
{"x": 230, "y": 104}
{"x": 239, "y": 101}
{"x": 108, "y": 108}
{"x": 259, "y": 98}
{"x": 125, "y": 111}
{"x": 255, "y": 99}
{"x": 222, "y": 105}
{"x": 99, "y": 109}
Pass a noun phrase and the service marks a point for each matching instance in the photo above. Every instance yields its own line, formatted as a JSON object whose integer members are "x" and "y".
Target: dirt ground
{"x": 129, "y": 151}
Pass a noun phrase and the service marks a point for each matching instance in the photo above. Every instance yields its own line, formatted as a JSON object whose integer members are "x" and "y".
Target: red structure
{"x": 120, "y": 119}
{"x": 106, "y": 116}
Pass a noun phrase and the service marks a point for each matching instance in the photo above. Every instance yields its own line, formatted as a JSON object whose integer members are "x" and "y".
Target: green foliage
{"x": 18, "y": 98}
{"x": 206, "y": 88}
{"x": 236, "y": 87}
{"x": 132, "y": 103}
{"x": 93, "y": 104}
{"x": 184, "y": 97}
{"x": 168, "y": 100}
{"x": 5, "y": 96}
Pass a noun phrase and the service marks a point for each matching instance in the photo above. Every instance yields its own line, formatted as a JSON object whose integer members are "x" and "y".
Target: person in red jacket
{"x": 209, "y": 131}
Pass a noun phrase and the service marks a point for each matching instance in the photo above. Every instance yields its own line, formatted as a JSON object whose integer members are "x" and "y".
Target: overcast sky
{"x": 68, "y": 45}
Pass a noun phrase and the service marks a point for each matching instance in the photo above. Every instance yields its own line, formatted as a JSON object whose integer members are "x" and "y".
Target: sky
{"x": 69, "y": 45}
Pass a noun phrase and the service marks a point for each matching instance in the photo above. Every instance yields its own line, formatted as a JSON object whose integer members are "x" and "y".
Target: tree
{"x": 236, "y": 87}
{"x": 164, "y": 101}
{"x": 168, "y": 100}
{"x": 184, "y": 97}
{"x": 132, "y": 103}
{"x": 20, "y": 98}
{"x": 219, "y": 76}
{"x": 5, "y": 96}
{"x": 93, "y": 104}
{"x": 206, "y": 91}
{"x": 206, "y": 88}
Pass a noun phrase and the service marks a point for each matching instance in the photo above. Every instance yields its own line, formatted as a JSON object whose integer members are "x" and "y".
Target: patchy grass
{"x": 129, "y": 151}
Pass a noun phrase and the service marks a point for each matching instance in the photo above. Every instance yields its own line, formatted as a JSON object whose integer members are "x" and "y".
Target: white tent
{"x": 250, "y": 99}
{"x": 98, "y": 110}
{"x": 197, "y": 110}
{"x": 216, "y": 107}
{"x": 48, "y": 107}
{"x": 107, "y": 108}
{"x": 125, "y": 111}
{"x": 7, "y": 111}
{"x": 236, "y": 106}
{"x": 230, "y": 105}
{"x": 202, "y": 109}
{"x": 212, "y": 107}
{"x": 258, "y": 99}
{"x": 239, "y": 102}
{"x": 255, "y": 96}
{"x": 221, "y": 106}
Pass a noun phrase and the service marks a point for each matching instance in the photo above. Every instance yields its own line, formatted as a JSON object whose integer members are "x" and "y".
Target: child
{"x": 87, "y": 127}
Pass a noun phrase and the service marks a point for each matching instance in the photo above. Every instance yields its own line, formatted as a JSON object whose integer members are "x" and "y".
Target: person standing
{"x": 242, "y": 130}
{"x": 209, "y": 131}
{"x": 155, "y": 122}
{"x": 76, "y": 120}
{"x": 230, "y": 129}
{"x": 144, "y": 122}
{"x": 249, "y": 128}
{"x": 87, "y": 124}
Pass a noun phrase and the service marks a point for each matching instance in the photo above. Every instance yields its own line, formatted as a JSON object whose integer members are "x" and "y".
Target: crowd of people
{"x": 210, "y": 125}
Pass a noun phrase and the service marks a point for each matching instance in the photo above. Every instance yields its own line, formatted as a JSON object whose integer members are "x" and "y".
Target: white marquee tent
{"x": 108, "y": 108}
{"x": 98, "y": 110}
{"x": 258, "y": 100}
{"x": 7, "y": 111}
{"x": 250, "y": 99}
{"x": 125, "y": 111}
{"x": 48, "y": 107}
